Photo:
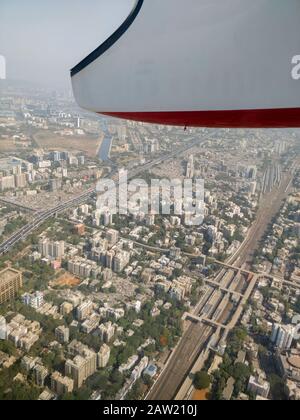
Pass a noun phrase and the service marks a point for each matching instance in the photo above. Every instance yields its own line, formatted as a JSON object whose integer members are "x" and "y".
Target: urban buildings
{"x": 40, "y": 375}
{"x": 66, "y": 308}
{"x": 83, "y": 365}
{"x": 84, "y": 310}
{"x": 120, "y": 261}
{"x": 83, "y": 268}
{"x": 181, "y": 288}
{"x": 131, "y": 362}
{"x": 288, "y": 363}
{"x": 62, "y": 334}
{"x": 190, "y": 167}
{"x": 80, "y": 229}
{"x": 23, "y": 333}
{"x": 258, "y": 386}
{"x": 7, "y": 183}
{"x": 283, "y": 336}
{"x": 50, "y": 249}
{"x": 35, "y": 300}
{"x": 151, "y": 371}
{"x": 103, "y": 356}
{"x": 112, "y": 237}
{"x": 143, "y": 273}
{"x": 107, "y": 331}
{"x": 10, "y": 283}
{"x": 61, "y": 385}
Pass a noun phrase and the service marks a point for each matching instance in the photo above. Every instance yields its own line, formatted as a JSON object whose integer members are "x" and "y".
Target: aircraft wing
{"x": 208, "y": 63}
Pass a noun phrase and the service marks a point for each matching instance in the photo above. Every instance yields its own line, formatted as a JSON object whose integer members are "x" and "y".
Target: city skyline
{"x": 148, "y": 262}
{"x": 93, "y": 301}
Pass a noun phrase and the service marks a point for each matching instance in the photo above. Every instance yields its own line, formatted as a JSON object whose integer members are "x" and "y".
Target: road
{"x": 195, "y": 337}
{"x": 42, "y": 216}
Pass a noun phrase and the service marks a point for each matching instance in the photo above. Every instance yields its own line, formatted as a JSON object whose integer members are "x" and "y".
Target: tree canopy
{"x": 201, "y": 380}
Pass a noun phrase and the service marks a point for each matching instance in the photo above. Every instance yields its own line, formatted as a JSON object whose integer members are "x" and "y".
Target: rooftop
{"x": 8, "y": 274}
{"x": 294, "y": 361}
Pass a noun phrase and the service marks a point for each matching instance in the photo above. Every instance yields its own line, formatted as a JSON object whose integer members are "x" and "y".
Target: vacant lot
{"x": 200, "y": 395}
{"x": 85, "y": 144}
{"x": 66, "y": 280}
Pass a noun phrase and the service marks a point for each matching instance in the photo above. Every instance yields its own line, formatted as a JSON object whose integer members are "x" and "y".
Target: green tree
{"x": 201, "y": 380}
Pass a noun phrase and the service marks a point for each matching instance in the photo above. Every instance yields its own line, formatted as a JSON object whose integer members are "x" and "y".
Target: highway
{"x": 42, "y": 216}
{"x": 197, "y": 334}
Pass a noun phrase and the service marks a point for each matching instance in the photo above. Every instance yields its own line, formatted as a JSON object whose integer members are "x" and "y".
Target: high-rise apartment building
{"x": 120, "y": 261}
{"x": 62, "y": 334}
{"x": 34, "y": 300}
{"x": 103, "y": 356}
{"x": 107, "y": 331}
{"x": 20, "y": 180}
{"x": 112, "y": 236}
{"x": 7, "y": 183}
{"x": 40, "y": 375}
{"x": 49, "y": 249}
{"x": 10, "y": 283}
{"x": 283, "y": 336}
{"x": 84, "y": 310}
{"x": 83, "y": 365}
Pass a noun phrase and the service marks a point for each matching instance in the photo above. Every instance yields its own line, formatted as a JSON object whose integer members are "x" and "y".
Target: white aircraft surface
{"x": 201, "y": 63}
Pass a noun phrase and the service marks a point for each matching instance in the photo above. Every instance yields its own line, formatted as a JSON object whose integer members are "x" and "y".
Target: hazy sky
{"x": 43, "y": 39}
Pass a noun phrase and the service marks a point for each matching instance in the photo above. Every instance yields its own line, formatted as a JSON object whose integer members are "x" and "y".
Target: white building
{"x": 258, "y": 386}
{"x": 34, "y": 300}
{"x": 62, "y": 334}
{"x": 103, "y": 356}
{"x": 107, "y": 331}
{"x": 55, "y": 250}
{"x": 3, "y": 328}
{"x": 138, "y": 370}
{"x": 84, "y": 310}
{"x": 282, "y": 336}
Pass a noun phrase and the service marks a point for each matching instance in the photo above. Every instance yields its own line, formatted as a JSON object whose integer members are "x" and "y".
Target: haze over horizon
{"x": 57, "y": 35}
